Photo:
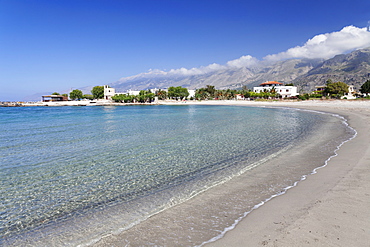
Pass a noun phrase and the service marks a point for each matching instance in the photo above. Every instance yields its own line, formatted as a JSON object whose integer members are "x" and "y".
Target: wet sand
{"x": 329, "y": 208}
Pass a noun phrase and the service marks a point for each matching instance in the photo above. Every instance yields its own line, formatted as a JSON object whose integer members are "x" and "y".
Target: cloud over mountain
{"x": 244, "y": 61}
{"x": 328, "y": 45}
{"x": 322, "y": 46}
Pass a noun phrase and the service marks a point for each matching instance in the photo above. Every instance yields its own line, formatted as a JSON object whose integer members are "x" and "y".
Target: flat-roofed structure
{"x": 284, "y": 91}
{"x": 54, "y": 98}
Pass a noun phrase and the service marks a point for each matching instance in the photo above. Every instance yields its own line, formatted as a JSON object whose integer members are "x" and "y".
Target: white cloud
{"x": 328, "y": 45}
{"x": 244, "y": 61}
{"x": 320, "y": 46}
{"x": 197, "y": 71}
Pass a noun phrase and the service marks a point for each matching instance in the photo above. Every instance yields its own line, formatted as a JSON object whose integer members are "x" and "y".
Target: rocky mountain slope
{"x": 352, "y": 68}
{"x": 227, "y": 77}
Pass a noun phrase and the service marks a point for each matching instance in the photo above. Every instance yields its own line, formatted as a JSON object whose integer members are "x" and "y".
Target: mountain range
{"x": 352, "y": 68}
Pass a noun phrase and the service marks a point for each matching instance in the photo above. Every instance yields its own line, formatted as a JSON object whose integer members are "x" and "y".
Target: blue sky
{"x": 51, "y": 45}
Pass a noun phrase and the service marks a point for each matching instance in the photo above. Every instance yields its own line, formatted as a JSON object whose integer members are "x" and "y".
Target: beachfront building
{"x": 132, "y": 92}
{"x": 320, "y": 89}
{"x": 54, "y": 98}
{"x": 191, "y": 93}
{"x": 239, "y": 97}
{"x": 284, "y": 91}
{"x": 350, "y": 95}
{"x": 109, "y": 92}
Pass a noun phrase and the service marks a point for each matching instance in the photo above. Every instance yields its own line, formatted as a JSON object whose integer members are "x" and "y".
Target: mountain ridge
{"x": 352, "y": 68}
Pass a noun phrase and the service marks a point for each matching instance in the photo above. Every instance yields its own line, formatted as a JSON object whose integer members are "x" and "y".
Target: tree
{"x": 124, "y": 98}
{"x": 88, "y": 96}
{"x": 336, "y": 88}
{"x": 211, "y": 90}
{"x": 98, "y": 92}
{"x": 365, "y": 88}
{"x": 178, "y": 93}
{"x": 55, "y": 93}
{"x": 161, "y": 94}
{"x": 201, "y": 94}
{"x": 145, "y": 96}
{"x": 76, "y": 94}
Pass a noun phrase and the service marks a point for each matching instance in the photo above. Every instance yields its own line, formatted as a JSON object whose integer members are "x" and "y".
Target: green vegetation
{"x": 98, "y": 92}
{"x": 76, "y": 94}
{"x": 143, "y": 97}
{"x": 209, "y": 93}
{"x": 177, "y": 93}
{"x": 305, "y": 96}
{"x": 365, "y": 88}
{"x": 55, "y": 93}
{"x": 332, "y": 90}
{"x": 124, "y": 98}
{"x": 336, "y": 89}
{"x": 88, "y": 96}
{"x": 161, "y": 94}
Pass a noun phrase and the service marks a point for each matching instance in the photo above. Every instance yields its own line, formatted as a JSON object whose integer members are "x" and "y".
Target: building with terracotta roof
{"x": 271, "y": 83}
{"x": 284, "y": 91}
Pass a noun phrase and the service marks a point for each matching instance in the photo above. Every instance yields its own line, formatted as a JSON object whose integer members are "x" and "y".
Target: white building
{"x": 284, "y": 91}
{"x": 109, "y": 92}
{"x": 351, "y": 93}
{"x": 191, "y": 93}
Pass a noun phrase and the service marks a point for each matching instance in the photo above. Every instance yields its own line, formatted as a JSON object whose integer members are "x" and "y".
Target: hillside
{"x": 228, "y": 77}
{"x": 352, "y": 68}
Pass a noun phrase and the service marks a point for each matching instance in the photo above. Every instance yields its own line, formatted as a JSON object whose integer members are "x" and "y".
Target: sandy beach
{"x": 328, "y": 208}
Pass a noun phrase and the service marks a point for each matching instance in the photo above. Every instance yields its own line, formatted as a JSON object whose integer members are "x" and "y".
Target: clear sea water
{"x": 70, "y": 175}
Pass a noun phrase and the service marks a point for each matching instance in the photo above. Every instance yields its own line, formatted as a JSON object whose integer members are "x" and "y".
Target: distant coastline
{"x": 170, "y": 102}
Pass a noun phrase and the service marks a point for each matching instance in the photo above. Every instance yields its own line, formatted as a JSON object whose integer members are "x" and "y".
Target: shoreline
{"x": 279, "y": 221}
{"x": 329, "y": 208}
{"x": 287, "y": 103}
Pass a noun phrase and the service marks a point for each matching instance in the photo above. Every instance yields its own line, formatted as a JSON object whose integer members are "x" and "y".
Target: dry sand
{"x": 330, "y": 208}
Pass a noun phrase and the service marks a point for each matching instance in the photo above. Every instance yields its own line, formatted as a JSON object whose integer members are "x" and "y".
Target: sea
{"x": 150, "y": 175}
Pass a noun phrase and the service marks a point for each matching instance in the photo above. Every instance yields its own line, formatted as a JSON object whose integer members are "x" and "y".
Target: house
{"x": 350, "y": 95}
{"x": 284, "y": 91}
{"x": 54, "y": 98}
{"x": 320, "y": 89}
{"x": 109, "y": 92}
{"x": 240, "y": 97}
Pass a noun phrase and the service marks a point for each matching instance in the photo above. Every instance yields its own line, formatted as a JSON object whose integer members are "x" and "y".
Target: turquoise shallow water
{"x": 63, "y": 163}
